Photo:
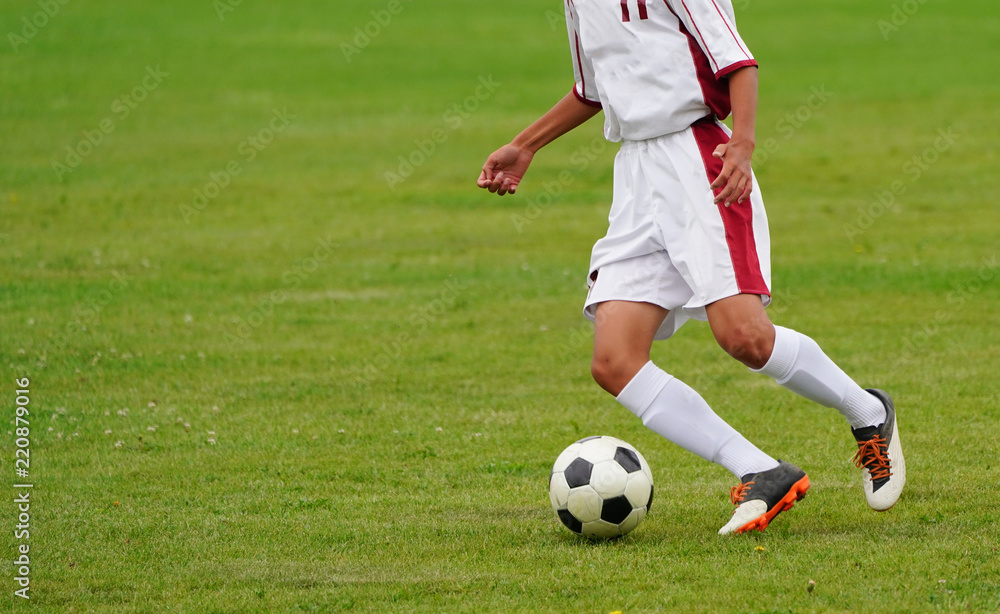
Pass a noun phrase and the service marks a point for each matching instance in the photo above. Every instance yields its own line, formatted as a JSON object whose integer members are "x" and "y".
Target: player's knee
{"x": 609, "y": 372}
{"x": 748, "y": 343}
{"x": 613, "y": 371}
{"x": 602, "y": 369}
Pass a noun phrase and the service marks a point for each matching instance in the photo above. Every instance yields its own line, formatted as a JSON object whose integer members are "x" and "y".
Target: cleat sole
{"x": 796, "y": 493}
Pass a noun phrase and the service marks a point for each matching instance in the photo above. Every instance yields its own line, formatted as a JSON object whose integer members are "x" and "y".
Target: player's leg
{"x": 795, "y": 361}
{"x": 652, "y": 208}
{"x": 623, "y": 334}
{"x": 741, "y": 326}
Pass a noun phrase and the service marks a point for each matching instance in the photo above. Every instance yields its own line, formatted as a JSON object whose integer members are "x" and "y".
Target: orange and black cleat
{"x": 761, "y": 496}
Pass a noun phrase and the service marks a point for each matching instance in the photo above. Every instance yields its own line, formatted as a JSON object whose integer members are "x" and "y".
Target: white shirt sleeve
{"x": 712, "y": 23}
{"x": 583, "y": 70}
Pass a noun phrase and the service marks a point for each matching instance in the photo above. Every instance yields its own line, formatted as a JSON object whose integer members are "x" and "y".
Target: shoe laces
{"x": 739, "y": 492}
{"x": 873, "y": 455}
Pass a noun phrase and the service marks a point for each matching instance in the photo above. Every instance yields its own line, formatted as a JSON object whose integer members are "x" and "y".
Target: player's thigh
{"x": 625, "y": 329}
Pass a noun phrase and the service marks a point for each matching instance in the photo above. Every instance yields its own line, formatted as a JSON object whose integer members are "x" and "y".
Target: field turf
{"x": 285, "y": 356}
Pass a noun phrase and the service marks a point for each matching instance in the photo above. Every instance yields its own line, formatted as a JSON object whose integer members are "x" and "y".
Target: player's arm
{"x": 735, "y": 179}
{"x": 506, "y": 166}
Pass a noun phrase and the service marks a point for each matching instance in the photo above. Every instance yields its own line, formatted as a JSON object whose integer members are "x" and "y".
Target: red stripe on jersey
{"x": 643, "y": 13}
{"x": 714, "y": 92}
{"x": 734, "y": 67}
{"x": 579, "y": 62}
{"x": 625, "y": 17}
{"x": 737, "y": 218}
{"x": 733, "y": 34}
{"x": 698, "y": 30}
{"x": 589, "y": 103}
{"x": 582, "y": 94}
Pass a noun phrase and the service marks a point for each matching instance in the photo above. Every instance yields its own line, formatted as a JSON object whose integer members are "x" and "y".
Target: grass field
{"x": 284, "y": 356}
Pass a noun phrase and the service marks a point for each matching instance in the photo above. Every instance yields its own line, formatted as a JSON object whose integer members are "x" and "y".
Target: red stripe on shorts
{"x": 736, "y": 218}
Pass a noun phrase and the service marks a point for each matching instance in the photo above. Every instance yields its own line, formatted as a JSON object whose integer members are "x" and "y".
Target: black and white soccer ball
{"x": 601, "y": 487}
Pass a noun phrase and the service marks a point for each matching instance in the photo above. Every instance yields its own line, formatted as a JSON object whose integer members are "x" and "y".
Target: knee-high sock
{"x": 798, "y": 363}
{"x": 671, "y": 408}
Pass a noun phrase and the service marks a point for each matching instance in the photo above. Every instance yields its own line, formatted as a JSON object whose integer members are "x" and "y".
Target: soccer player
{"x": 688, "y": 238}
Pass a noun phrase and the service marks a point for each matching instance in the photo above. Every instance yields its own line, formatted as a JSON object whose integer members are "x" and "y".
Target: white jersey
{"x": 655, "y": 66}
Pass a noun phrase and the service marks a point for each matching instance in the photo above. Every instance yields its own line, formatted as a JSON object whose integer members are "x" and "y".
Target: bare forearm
{"x": 743, "y": 97}
{"x": 506, "y": 166}
{"x": 567, "y": 114}
{"x": 735, "y": 183}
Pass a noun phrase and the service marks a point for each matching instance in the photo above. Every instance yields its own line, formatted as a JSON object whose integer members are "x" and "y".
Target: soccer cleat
{"x": 762, "y": 496}
{"x": 880, "y": 453}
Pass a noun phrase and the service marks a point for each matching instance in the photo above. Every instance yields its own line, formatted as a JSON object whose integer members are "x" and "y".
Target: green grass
{"x": 346, "y": 396}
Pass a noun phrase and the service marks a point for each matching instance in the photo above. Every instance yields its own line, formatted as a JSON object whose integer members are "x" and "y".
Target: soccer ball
{"x": 601, "y": 487}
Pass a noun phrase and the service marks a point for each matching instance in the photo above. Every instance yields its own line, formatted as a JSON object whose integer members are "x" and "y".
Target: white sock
{"x": 798, "y": 363}
{"x": 672, "y": 409}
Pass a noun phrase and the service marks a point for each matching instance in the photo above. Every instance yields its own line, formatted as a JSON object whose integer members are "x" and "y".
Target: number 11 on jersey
{"x": 642, "y": 11}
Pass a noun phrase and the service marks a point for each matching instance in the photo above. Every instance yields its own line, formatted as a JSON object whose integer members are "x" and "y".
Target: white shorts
{"x": 668, "y": 243}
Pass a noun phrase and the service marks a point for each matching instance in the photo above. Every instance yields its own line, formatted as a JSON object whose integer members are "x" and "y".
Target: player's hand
{"x": 735, "y": 179}
{"x": 504, "y": 169}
